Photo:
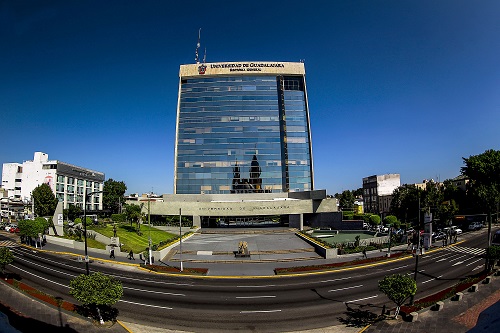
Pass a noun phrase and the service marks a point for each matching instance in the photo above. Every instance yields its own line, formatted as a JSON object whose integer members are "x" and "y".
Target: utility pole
{"x": 149, "y": 224}
{"x": 417, "y": 250}
{"x": 180, "y": 238}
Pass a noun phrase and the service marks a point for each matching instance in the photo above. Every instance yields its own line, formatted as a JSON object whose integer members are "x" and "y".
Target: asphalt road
{"x": 266, "y": 304}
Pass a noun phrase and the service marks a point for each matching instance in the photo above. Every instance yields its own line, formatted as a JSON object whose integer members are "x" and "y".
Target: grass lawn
{"x": 95, "y": 244}
{"x": 131, "y": 239}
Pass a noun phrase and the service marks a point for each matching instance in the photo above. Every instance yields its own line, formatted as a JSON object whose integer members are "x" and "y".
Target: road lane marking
{"x": 458, "y": 258}
{"x": 148, "y": 305}
{"x": 432, "y": 279}
{"x": 345, "y": 288}
{"x": 260, "y": 311}
{"x": 46, "y": 268}
{"x": 457, "y": 263}
{"x": 360, "y": 299}
{"x": 154, "y": 292}
{"x": 266, "y": 296}
{"x": 393, "y": 269}
{"x": 474, "y": 262}
{"x": 333, "y": 280}
{"x": 42, "y": 278}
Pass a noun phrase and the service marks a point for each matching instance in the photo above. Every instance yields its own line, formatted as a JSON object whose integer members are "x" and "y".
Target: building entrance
{"x": 244, "y": 221}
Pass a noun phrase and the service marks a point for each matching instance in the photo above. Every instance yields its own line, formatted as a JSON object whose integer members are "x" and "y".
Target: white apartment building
{"x": 68, "y": 182}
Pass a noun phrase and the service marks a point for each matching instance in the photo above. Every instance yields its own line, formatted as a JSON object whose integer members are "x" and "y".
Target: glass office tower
{"x": 243, "y": 127}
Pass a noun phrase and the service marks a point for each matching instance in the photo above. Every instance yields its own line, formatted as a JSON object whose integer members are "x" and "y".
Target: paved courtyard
{"x": 218, "y": 245}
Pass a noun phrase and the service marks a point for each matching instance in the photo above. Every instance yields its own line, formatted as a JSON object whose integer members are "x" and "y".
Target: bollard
{"x": 458, "y": 297}
{"x": 413, "y": 317}
{"x": 439, "y": 306}
{"x": 474, "y": 288}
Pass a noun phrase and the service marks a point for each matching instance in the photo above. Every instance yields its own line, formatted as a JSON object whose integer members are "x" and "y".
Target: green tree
{"x": 405, "y": 203}
{"x": 72, "y": 212}
{"x": 96, "y": 290}
{"x": 32, "y": 228}
{"x": 493, "y": 254}
{"x": 88, "y": 221}
{"x": 44, "y": 200}
{"x": 346, "y": 200}
{"x": 398, "y": 288}
{"x": 134, "y": 214}
{"x": 483, "y": 171}
{"x": 6, "y": 258}
{"x": 113, "y": 195}
{"x": 392, "y": 220}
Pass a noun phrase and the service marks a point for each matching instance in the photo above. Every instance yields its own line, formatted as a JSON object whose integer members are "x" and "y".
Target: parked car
{"x": 14, "y": 229}
{"x": 438, "y": 235}
{"x": 7, "y": 228}
{"x": 475, "y": 226}
{"x": 455, "y": 230}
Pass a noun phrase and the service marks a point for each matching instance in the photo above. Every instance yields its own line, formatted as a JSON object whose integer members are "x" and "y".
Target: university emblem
{"x": 201, "y": 69}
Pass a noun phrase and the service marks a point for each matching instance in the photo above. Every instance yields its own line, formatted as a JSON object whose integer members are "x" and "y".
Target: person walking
{"x": 364, "y": 253}
{"x": 131, "y": 255}
{"x": 112, "y": 253}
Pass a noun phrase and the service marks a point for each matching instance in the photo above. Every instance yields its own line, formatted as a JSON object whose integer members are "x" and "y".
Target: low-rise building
{"x": 68, "y": 182}
{"x": 377, "y": 192}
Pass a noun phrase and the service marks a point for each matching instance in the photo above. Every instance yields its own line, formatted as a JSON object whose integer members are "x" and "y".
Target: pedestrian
{"x": 364, "y": 253}
{"x": 112, "y": 253}
{"x": 444, "y": 241}
{"x": 131, "y": 255}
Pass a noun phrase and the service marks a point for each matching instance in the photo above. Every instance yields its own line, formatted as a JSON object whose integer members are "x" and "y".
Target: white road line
{"x": 393, "y": 269}
{"x": 432, "y": 279}
{"x": 46, "y": 268}
{"x": 474, "y": 262}
{"x": 149, "y": 305}
{"x": 340, "y": 279}
{"x": 260, "y": 311}
{"x": 269, "y": 296}
{"x": 345, "y": 288}
{"x": 361, "y": 299}
{"x": 459, "y": 258}
{"x": 42, "y": 278}
{"x": 457, "y": 263}
{"x": 154, "y": 292}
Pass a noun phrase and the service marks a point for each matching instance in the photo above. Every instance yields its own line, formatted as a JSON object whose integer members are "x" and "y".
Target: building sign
{"x": 255, "y": 67}
{"x": 59, "y": 219}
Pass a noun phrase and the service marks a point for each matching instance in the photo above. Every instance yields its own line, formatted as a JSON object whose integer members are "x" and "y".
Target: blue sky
{"x": 394, "y": 86}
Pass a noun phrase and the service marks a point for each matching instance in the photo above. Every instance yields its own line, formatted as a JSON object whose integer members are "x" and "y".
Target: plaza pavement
{"x": 278, "y": 250}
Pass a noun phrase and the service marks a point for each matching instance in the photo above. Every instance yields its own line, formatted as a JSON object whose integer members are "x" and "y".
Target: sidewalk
{"x": 30, "y": 315}
{"x": 456, "y": 316}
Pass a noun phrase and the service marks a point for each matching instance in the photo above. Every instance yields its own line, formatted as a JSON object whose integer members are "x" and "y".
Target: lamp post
{"x": 89, "y": 195}
{"x": 180, "y": 238}
{"x": 417, "y": 250}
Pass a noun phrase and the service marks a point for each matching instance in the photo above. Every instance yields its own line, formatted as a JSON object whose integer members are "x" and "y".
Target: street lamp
{"x": 85, "y": 225}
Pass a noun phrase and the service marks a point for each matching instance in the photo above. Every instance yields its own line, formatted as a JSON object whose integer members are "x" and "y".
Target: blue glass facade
{"x": 242, "y": 134}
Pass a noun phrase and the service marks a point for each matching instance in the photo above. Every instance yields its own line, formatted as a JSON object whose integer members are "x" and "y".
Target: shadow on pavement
{"x": 358, "y": 317}
{"x": 25, "y": 324}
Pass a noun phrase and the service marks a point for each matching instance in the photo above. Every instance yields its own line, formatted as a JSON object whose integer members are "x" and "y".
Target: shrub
{"x": 117, "y": 218}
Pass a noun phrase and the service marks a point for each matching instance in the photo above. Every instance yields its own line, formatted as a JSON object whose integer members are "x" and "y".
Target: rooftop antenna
{"x": 197, "y": 47}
